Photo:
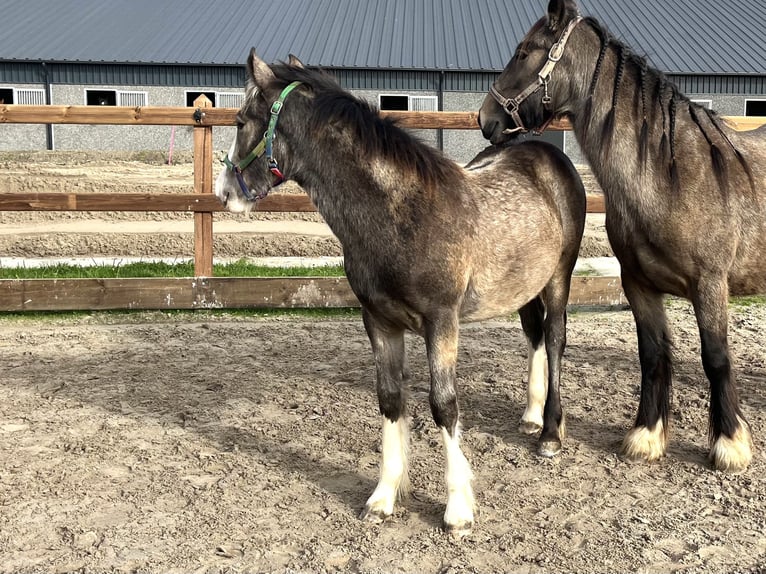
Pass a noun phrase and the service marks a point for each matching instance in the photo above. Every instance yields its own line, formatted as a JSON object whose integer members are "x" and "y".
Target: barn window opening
{"x": 6, "y": 96}
{"x": 407, "y": 103}
{"x": 131, "y": 99}
{"x": 100, "y": 97}
{"x": 394, "y": 103}
{"x": 704, "y": 103}
{"x": 191, "y": 96}
{"x": 755, "y": 108}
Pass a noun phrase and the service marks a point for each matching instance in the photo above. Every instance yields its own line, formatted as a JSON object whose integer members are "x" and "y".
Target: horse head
{"x": 528, "y": 95}
{"x": 261, "y": 156}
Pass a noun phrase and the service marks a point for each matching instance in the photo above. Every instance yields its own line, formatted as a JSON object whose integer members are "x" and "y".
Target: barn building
{"x": 399, "y": 54}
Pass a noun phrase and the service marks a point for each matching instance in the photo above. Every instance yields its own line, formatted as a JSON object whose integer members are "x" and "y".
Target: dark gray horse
{"x": 426, "y": 244}
{"x": 685, "y": 202}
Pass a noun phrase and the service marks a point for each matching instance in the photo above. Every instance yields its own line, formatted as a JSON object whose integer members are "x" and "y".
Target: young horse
{"x": 685, "y": 202}
{"x": 426, "y": 243}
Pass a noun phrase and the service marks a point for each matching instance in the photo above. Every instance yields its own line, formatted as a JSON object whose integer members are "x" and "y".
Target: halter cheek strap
{"x": 511, "y": 105}
{"x": 265, "y": 146}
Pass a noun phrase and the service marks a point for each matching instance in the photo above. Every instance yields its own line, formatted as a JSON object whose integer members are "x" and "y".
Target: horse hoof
{"x": 733, "y": 454}
{"x": 458, "y": 531}
{"x": 528, "y": 427}
{"x": 372, "y": 516}
{"x": 549, "y": 448}
{"x": 643, "y": 444}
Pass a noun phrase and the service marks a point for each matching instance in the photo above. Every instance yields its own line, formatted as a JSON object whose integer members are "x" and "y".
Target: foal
{"x": 426, "y": 244}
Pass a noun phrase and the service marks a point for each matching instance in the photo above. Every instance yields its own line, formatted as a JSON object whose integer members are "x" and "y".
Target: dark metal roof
{"x": 678, "y": 36}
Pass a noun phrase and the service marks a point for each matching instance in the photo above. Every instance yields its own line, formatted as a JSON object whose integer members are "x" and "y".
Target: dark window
{"x": 394, "y": 103}
{"x": 101, "y": 97}
{"x": 191, "y": 96}
{"x": 6, "y": 95}
{"x": 755, "y": 108}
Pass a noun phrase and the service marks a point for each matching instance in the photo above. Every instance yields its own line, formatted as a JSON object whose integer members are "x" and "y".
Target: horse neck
{"x": 349, "y": 189}
{"x": 608, "y": 126}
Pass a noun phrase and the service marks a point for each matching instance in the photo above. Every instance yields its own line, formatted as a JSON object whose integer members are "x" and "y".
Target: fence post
{"x": 203, "y": 183}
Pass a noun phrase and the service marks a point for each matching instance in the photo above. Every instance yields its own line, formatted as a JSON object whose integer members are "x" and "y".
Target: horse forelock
{"x": 374, "y": 137}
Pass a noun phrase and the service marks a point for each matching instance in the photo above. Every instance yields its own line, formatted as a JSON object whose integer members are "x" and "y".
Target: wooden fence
{"x": 205, "y": 291}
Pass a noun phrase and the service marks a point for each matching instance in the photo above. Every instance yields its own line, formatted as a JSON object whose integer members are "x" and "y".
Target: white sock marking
{"x": 458, "y": 475}
{"x": 537, "y": 389}
{"x": 394, "y": 480}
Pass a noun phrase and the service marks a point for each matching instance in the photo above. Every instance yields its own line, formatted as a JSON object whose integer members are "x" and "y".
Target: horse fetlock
{"x": 644, "y": 444}
{"x": 733, "y": 454}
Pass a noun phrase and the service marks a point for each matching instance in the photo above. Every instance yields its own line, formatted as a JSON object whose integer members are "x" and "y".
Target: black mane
{"x": 668, "y": 98}
{"x": 374, "y": 135}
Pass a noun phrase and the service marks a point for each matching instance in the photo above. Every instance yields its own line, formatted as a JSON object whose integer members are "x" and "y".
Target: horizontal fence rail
{"x": 204, "y": 291}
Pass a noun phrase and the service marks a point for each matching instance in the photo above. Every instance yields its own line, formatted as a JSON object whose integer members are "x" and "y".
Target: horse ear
{"x": 258, "y": 71}
{"x": 560, "y": 12}
{"x": 294, "y": 61}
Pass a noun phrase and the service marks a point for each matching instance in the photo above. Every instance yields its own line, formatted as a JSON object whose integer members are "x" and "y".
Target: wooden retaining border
{"x": 205, "y": 291}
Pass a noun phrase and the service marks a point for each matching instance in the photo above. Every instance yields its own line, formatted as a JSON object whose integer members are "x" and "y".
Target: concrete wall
{"x": 459, "y": 145}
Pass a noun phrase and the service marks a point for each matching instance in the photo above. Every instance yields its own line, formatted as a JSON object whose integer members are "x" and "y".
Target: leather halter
{"x": 511, "y": 105}
{"x": 264, "y": 146}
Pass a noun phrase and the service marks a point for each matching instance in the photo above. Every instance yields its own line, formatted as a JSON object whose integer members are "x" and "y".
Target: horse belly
{"x": 496, "y": 291}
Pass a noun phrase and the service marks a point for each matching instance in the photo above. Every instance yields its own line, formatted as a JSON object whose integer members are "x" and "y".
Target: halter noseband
{"x": 511, "y": 105}
{"x": 264, "y": 146}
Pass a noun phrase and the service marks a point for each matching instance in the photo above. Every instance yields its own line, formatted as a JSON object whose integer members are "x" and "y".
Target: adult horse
{"x": 685, "y": 202}
{"x": 426, "y": 243}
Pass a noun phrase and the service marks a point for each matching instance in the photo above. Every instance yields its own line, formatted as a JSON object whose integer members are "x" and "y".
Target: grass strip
{"x": 240, "y": 268}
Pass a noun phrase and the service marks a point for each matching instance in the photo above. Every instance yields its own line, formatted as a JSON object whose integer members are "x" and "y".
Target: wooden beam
{"x": 108, "y": 202}
{"x": 203, "y": 185}
{"x": 225, "y": 293}
{"x": 166, "y": 202}
{"x": 167, "y": 115}
{"x": 174, "y": 293}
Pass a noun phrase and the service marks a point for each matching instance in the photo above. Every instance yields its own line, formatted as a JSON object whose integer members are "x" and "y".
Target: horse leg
{"x": 532, "y": 317}
{"x": 729, "y": 432}
{"x": 441, "y": 335}
{"x": 648, "y": 438}
{"x": 390, "y": 362}
{"x": 556, "y": 295}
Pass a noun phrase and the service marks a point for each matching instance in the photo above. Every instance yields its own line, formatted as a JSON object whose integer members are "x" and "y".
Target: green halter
{"x": 264, "y": 146}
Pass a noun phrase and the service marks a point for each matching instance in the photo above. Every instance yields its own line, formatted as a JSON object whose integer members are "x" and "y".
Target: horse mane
{"x": 374, "y": 135}
{"x": 669, "y": 99}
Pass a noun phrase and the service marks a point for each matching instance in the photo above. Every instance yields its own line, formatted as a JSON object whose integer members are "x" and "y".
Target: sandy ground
{"x": 201, "y": 442}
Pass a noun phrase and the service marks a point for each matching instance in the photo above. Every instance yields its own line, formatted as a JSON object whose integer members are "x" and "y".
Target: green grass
{"x": 237, "y": 269}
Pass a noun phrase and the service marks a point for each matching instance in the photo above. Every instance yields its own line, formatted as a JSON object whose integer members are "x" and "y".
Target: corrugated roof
{"x": 679, "y": 36}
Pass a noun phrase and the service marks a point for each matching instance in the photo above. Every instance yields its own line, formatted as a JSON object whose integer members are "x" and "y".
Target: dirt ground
{"x": 204, "y": 442}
